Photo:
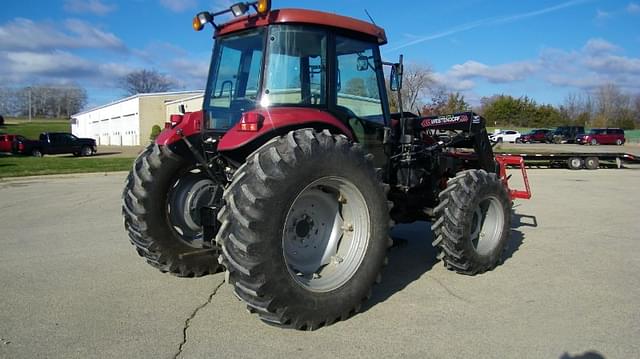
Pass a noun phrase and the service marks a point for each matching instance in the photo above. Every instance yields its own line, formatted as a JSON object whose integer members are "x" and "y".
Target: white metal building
{"x": 128, "y": 122}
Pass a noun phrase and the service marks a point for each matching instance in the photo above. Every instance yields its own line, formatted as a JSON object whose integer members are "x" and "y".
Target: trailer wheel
{"x": 591, "y": 163}
{"x": 574, "y": 163}
{"x": 594, "y": 142}
{"x": 472, "y": 222}
{"x": 619, "y": 142}
{"x": 162, "y": 195}
{"x": 305, "y": 230}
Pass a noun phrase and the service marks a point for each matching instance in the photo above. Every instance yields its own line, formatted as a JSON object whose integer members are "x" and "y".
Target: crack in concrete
{"x": 448, "y": 290}
{"x": 187, "y": 322}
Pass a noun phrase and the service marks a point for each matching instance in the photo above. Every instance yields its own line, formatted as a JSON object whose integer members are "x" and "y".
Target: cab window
{"x": 357, "y": 85}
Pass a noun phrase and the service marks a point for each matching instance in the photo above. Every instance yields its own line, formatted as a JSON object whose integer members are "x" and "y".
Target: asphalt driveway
{"x": 73, "y": 287}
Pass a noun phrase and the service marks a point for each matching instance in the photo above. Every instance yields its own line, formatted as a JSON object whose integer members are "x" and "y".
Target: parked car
{"x": 505, "y": 136}
{"x": 6, "y": 141}
{"x": 536, "y": 135}
{"x": 53, "y": 143}
{"x": 603, "y": 136}
{"x": 565, "y": 134}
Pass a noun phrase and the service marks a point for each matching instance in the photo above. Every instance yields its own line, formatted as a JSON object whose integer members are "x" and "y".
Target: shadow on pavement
{"x": 517, "y": 237}
{"x": 592, "y": 354}
{"x": 412, "y": 255}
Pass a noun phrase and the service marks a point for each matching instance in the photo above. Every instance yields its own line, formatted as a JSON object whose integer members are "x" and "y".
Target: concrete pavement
{"x": 73, "y": 287}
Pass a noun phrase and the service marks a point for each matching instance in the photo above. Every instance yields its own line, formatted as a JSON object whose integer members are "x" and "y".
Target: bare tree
{"x": 146, "y": 81}
{"x": 45, "y": 100}
{"x": 417, "y": 82}
{"x": 613, "y": 107}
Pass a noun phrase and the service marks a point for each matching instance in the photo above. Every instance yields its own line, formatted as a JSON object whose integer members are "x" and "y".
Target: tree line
{"x": 51, "y": 101}
{"x": 42, "y": 100}
{"x": 606, "y": 106}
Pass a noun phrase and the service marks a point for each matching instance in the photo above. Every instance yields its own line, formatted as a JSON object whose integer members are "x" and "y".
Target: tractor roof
{"x": 301, "y": 16}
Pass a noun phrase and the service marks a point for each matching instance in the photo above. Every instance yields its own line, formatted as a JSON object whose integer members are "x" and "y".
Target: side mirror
{"x": 395, "y": 80}
{"x": 181, "y": 109}
{"x": 363, "y": 63}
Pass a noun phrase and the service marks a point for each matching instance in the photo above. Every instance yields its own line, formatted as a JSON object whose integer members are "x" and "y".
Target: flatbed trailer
{"x": 575, "y": 160}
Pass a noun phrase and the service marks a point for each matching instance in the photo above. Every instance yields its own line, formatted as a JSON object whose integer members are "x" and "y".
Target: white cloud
{"x": 503, "y": 73}
{"x": 95, "y": 7}
{"x": 25, "y": 34}
{"x": 57, "y": 67}
{"x": 596, "y": 63}
{"x": 179, "y": 5}
{"x": 611, "y": 64}
{"x": 597, "y": 46}
{"x": 602, "y": 15}
{"x": 633, "y": 8}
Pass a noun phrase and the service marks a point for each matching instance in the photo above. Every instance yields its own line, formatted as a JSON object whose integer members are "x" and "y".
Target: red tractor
{"x": 294, "y": 171}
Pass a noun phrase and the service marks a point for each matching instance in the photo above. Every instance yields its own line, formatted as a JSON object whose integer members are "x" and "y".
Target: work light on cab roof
{"x": 202, "y": 18}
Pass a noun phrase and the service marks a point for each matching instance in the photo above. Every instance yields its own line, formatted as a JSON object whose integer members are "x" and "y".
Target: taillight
{"x": 21, "y": 146}
{"x": 251, "y": 122}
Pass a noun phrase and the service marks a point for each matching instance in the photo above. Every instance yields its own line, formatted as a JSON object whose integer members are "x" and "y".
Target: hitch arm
{"x": 503, "y": 161}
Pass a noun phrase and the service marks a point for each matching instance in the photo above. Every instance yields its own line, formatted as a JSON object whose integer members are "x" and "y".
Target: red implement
{"x": 504, "y": 161}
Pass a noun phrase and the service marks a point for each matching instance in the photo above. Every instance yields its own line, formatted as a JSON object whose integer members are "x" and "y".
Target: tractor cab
{"x": 270, "y": 69}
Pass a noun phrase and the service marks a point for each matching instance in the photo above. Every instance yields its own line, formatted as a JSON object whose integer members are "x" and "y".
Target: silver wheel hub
{"x": 487, "y": 225}
{"x": 326, "y": 233}
{"x": 186, "y": 198}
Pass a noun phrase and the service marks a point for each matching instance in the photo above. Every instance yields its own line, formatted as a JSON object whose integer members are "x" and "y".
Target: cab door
{"x": 359, "y": 92}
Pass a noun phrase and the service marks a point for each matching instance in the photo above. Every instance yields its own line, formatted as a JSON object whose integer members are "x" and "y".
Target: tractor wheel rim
{"x": 187, "y": 196}
{"x": 326, "y": 234}
{"x": 487, "y": 225}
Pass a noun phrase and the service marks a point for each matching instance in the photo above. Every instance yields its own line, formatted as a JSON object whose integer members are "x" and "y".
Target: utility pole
{"x": 29, "y": 103}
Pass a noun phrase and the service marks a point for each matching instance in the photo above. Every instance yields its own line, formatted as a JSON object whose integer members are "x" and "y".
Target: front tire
{"x": 36, "y": 152}
{"x": 160, "y": 201}
{"x": 472, "y": 222}
{"x": 305, "y": 230}
{"x": 86, "y": 151}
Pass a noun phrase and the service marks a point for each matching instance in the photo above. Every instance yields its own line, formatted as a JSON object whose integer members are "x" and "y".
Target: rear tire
{"x": 472, "y": 222}
{"x": 619, "y": 142}
{"x": 305, "y": 230}
{"x": 171, "y": 246}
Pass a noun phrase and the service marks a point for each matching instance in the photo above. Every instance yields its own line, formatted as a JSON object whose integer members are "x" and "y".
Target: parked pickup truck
{"x": 6, "y": 141}
{"x": 54, "y": 143}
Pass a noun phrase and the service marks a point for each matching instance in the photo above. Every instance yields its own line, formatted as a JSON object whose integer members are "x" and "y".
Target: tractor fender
{"x": 186, "y": 125}
{"x": 266, "y": 123}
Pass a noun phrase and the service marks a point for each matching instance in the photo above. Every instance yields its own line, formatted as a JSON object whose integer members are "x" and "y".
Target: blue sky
{"x": 544, "y": 49}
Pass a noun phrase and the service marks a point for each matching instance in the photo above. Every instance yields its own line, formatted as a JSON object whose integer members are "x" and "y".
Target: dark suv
{"x": 603, "y": 136}
{"x": 565, "y": 134}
